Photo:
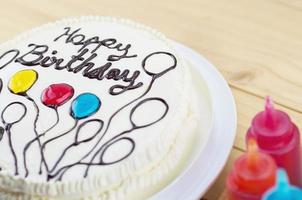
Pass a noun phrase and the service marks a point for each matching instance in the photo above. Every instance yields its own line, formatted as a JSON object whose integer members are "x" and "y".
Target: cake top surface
{"x": 81, "y": 98}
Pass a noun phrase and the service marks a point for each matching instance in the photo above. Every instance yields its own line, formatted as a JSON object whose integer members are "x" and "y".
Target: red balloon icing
{"x": 57, "y": 94}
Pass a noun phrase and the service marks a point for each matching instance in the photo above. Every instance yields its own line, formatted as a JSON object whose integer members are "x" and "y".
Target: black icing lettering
{"x": 113, "y": 58}
{"x": 107, "y": 43}
{"x": 97, "y": 73}
{"x": 13, "y": 52}
{"x": 85, "y": 63}
{"x": 58, "y": 63}
{"x": 76, "y": 38}
{"x": 93, "y": 40}
{"x": 38, "y": 51}
{"x": 119, "y": 89}
{"x": 37, "y": 56}
{"x": 113, "y": 74}
{"x": 68, "y": 34}
{"x": 74, "y": 59}
{"x": 47, "y": 62}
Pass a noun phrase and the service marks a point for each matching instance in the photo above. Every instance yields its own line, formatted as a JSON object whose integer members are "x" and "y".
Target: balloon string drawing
{"x": 82, "y": 107}
{"x": 53, "y": 97}
{"x": 19, "y": 84}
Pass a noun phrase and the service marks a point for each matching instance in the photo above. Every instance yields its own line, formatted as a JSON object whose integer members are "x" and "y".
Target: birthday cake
{"x": 93, "y": 108}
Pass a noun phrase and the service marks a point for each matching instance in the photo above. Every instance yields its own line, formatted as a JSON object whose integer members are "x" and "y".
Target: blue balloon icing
{"x": 283, "y": 190}
{"x": 85, "y": 105}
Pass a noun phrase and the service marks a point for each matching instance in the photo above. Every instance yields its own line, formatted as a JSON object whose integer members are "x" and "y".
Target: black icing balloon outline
{"x": 77, "y": 141}
{"x": 8, "y": 126}
{"x": 1, "y": 132}
{"x": 18, "y": 120}
{"x": 1, "y": 85}
{"x": 60, "y": 172}
{"x": 157, "y": 75}
{"x": 120, "y": 137}
{"x": 142, "y": 103}
{"x": 106, "y": 147}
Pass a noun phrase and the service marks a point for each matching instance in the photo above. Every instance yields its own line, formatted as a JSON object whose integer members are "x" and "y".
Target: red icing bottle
{"x": 252, "y": 175}
{"x": 279, "y": 137}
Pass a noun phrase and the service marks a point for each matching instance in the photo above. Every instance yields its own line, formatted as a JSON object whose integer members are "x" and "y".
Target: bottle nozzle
{"x": 269, "y": 109}
{"x": 283, "y": 187}
{"x": 282, "y": 179}
{"x": 252, "y": 153}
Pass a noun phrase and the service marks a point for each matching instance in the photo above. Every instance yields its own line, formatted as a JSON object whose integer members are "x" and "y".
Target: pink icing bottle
{"x": 279, "y": 137}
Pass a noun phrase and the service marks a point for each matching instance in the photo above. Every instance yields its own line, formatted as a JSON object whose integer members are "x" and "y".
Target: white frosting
{"x": 161, "y": 150}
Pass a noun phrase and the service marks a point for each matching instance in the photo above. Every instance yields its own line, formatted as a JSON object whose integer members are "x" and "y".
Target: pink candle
{"x": 279, "y": 137}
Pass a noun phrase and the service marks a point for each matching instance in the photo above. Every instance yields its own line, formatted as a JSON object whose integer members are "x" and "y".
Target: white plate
{"x": 200, "y": 175}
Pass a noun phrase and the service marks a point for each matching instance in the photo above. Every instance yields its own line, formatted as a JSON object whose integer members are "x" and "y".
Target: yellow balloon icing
{"x": 22, "y": 81}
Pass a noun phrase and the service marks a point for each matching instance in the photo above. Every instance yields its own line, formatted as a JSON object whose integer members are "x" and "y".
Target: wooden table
{"x": 256, "y": 44}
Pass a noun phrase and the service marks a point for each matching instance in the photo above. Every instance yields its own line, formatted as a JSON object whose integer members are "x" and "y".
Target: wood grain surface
{"x": 255, "y": 44}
